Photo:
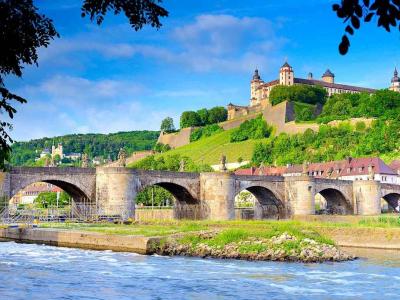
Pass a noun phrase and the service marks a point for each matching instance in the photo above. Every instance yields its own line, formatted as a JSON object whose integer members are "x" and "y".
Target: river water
{"x": 29, "y": 271}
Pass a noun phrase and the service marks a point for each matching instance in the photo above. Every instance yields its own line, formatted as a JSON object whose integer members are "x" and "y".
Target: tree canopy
{"x": 48, "y": 199}
{"x": 382, "y": 104}
{"x": 203, "y": 117}
{"x": 354, "y": 12}
{"x": 298, "y": 93}
{"x": 167, "y": 125}
{"x": 330, "y": 143}
{"x": 251, "y": 129}
{"x": 23, "y": 30}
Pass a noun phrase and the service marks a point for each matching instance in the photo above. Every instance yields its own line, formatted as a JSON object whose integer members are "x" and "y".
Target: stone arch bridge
{"x": 204, "y": 195}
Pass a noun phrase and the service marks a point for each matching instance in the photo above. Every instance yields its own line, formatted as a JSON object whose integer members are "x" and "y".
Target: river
{"x": 29, "y": 271}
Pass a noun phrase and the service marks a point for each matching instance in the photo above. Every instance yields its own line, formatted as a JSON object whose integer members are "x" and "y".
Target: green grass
{"x": 382, "y": 222}
{"x": 209, "y": 150}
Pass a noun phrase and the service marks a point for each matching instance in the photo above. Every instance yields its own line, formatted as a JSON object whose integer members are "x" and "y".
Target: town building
{"x": 73, "y": 156}
{"x": 367, "y": 168}
{"x": 395, "y": 85}
{"x": 30, "y": 193}
{"x": 45, "y": 152}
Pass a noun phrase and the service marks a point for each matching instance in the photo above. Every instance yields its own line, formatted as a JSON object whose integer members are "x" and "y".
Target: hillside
{"x": 329, "y": 143}
{"x": 209, "y": 150}
{"x": 106, "y": 145}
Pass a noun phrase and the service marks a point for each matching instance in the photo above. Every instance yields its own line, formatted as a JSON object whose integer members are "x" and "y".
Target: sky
{"x": 110, "y": 78}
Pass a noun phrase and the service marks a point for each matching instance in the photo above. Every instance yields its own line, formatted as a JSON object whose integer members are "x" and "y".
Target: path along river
{"x": 30, "y": 271}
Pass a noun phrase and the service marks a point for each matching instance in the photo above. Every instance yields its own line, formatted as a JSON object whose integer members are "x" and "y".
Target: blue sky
{"x": 110, "y": 78}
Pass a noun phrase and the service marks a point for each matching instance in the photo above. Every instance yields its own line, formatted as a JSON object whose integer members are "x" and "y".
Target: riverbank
{"x": 250, "y": 240}
{"x": 312, "y": 241}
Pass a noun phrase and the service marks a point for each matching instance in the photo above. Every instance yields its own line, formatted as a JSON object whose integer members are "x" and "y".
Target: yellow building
{"x": 57, "y": 151}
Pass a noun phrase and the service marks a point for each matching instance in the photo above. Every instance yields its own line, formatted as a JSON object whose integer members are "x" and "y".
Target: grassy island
{"x": 252, "y": 240}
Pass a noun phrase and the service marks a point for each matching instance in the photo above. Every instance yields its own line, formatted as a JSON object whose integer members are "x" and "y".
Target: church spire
{"x": 395, "y": 76}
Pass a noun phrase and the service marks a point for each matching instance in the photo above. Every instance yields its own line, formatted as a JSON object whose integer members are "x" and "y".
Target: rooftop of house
{"x": 332, "y": 169}
{"x": 39, "y": 188}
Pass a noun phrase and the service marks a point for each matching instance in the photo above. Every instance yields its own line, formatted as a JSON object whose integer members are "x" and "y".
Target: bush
{"x": 170, "y": 163}
{"x": 298, "y": 93}
{"x": 161, "y": 148}
{"x": 360, "y": 126}
{"x": 251, "y": 129}
{"x": 304, "y": 112}
{"x": 330, "y": 143}
{"x": 206, "y": 131}
{"x": 383, "y": 104}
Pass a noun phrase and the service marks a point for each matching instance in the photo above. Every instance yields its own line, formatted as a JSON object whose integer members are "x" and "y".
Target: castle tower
{"x": 255, "y": 94}
{"x": 395, "y": 85}
{"x": 328, "y": 76}
{"x": 286, "y": 75}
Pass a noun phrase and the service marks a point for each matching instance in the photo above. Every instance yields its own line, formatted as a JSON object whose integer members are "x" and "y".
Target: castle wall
{"x": 176, "y": 139}
{"x": 236, "y": 122}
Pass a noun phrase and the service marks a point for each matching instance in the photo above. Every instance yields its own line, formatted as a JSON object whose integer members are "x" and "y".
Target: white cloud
{"x": 209, "y": 43}
{"x": 65, "y": 104}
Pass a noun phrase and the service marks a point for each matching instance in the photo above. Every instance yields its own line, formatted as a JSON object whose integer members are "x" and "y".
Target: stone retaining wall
{"x": 78, "y": 239}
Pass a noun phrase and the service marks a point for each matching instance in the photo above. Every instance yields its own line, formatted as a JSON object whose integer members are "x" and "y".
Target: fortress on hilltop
{"x": 281, "y": 116}
{"x": 260, "y": 90}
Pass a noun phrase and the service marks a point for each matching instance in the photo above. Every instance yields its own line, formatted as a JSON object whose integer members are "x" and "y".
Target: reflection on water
{"x": 43, "y": 272}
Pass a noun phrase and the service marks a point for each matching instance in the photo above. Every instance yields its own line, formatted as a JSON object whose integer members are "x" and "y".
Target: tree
{"x": 23, "y": 30}
{"x": 217, "y": 114}
{"x": 190, "y": 119}
{"x": 353, "y": 12}
{"x": 203, "y": 114}
{"x": 167, "y": 125}
{"x": 47, "y": 199}
{"x": 298, "y": 93}
{"x": 57, "y": 158}
{"x": 139, "y": 12}
{"x": 154, "y": 195}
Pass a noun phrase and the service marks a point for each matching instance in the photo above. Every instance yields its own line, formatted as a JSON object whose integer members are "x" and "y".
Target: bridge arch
{"x": 268, "y": 203}
{"x": 74, "y": 190}
{"x": 330, "y": 200}
{"x": 186, "y": 205}
{"x": 79, "y": 183}
{"x": 392, "y": 199}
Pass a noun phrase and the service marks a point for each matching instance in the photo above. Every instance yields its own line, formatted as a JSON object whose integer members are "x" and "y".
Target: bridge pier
{"x": 217, "y": 194}
{"x": 299, "y": 194}
{"x": 116, "y": 192}
{"x": 367, "y": 197}
{"x": 4, "y": 186}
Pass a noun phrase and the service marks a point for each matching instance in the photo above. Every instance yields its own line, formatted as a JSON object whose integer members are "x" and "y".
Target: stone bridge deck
{"x": 205, "y": 195}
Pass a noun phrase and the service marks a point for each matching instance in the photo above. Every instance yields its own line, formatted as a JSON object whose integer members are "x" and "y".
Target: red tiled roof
{"x": 267, "y": 171}
{"x": 395, "y": 165}
{"x": 38, "y": 188}
{"x": 332, "y": 169}
{"x": 266, "y": 84}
